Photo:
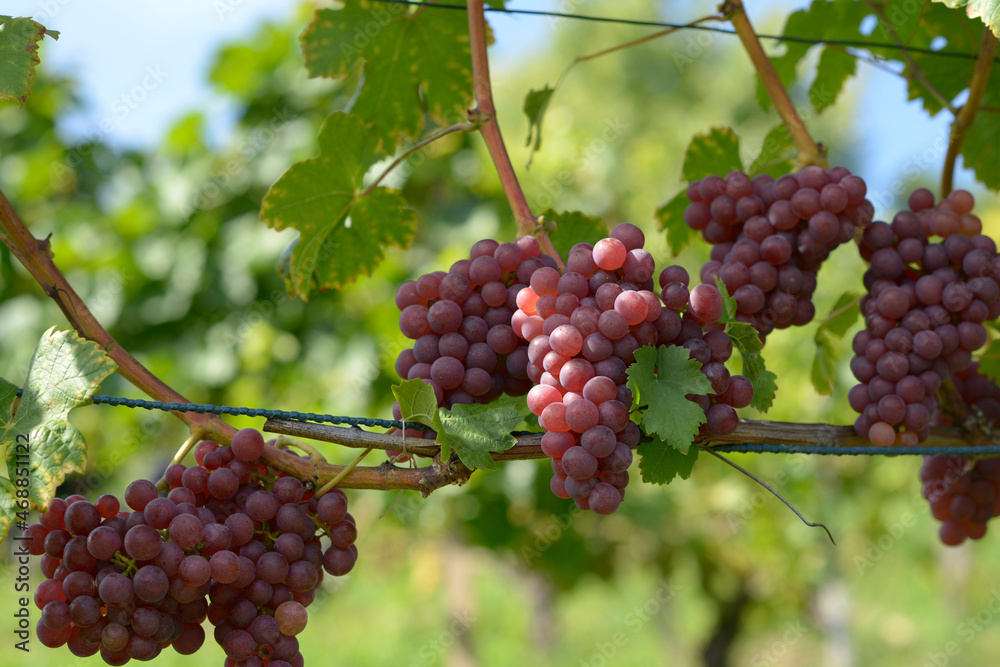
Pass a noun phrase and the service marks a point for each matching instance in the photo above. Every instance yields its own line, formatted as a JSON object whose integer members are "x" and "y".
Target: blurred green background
{"x": 166, "y": 247}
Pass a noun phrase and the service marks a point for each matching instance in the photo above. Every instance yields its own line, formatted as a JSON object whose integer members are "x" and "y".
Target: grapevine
{"x": 567, "y": 340}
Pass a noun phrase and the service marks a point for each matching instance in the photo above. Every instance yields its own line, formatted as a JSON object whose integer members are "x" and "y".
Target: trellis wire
{"x": 704, "y": 28}
{"x": 762, "y": 448}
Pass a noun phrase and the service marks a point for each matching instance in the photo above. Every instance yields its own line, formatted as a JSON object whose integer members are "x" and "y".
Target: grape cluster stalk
{"x": 770, "y": 237}
{"x": 932, "y": 282}
{"x": 232, "y": 542}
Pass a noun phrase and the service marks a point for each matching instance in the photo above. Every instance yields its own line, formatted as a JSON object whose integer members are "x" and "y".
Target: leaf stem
{"x": 967, "y": 115}
{"x": 457, "y": 127}
{"x": 486, "y": 114}
{"x": 810, "y": 153}
{"x": 36, "y": 256}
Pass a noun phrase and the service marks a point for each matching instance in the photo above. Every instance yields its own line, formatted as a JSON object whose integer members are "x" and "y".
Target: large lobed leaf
{"x": 19, "y": 39}
{"x": 661, "y": 378}
{"x": 473, "y": 431}
{"x": 64, "y": 372}
{"x": 659, "y": 463}
{"x": 415, "y": 62}
{"x": 342, "y": 230}
{"x": 916, "y": 25}
{"x": 714, "y": 152}
{"x": 572, "y": 227}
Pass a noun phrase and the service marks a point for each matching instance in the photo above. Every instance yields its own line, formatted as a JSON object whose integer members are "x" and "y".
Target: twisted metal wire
{"x": 756, "y": 448}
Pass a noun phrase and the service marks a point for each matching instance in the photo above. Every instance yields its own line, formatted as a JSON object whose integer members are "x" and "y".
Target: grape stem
{"x": 486, "y": 115}
{"x": 967, "y": 115}
{"x": 810, "y": 153}
{"x": 773, "y": 492}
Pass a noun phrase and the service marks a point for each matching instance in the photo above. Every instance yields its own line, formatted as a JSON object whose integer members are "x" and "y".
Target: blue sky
{"x": 169, "y": 45}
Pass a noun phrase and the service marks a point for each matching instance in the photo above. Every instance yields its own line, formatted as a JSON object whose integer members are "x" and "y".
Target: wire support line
{"x": 254, "y": 412}
{"x": 754, "y": 448}
{"x": 872, "y": 450}
{"x": 663, "y": 24}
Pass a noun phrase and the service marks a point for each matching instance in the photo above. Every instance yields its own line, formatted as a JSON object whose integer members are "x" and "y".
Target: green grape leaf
{"x": 574, "y": 227}
{"x": 660, "y": 463}
{"x": 987, "y": 10}
{"x": 747, "y": 343}
{"x": 416, "y": 62}
{"x": 9, "y": 507}
{"x": 714, "y": 152}
{"x": 916, "y": 25}
{"x": 728, "y": 302}
{"x": 342, "y": 230}
{"x": 979, "y": 149}
{"x": 831, "y": 330}
{"x": 777, "y": 154}
{"x": 476, "y": 430}
{"x": 671, "y": 218}
{"x": 834, "y": 69}
{"x": 19, "y": 39}
{"x": 660, "y": 378}
{"x": 536, "y": 103}
{"x": 989, "y": 361}
{"x": 64, "y": 372}
{"x": 417, "y": 401}
{"x": 764, "y": 382}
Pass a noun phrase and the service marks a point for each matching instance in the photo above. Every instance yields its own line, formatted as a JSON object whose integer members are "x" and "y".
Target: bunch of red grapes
{"x": 964, "y": 492}
{"x": 769, "y": 237}
{"x": 583, "y": 327}
{"x": 507, "y": 321}
{"x": 231, "y": 542}
{"x": 924, "y": 313}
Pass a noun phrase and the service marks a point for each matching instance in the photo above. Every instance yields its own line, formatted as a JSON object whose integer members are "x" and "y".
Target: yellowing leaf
{"x": 64, "y": 372}
{"x": 342, "y": 230}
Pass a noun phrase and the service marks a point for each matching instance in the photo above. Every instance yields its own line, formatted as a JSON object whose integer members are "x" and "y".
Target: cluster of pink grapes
{"x": 507, "y": 321}
{"x": 924, "y": 313}
{"x": 460, "y": 321}
{"x": 583, "y": 327}
{"x": 231, "y": 542}
{"x": 769, "y": 237}
{"x": 963, "y": 492}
